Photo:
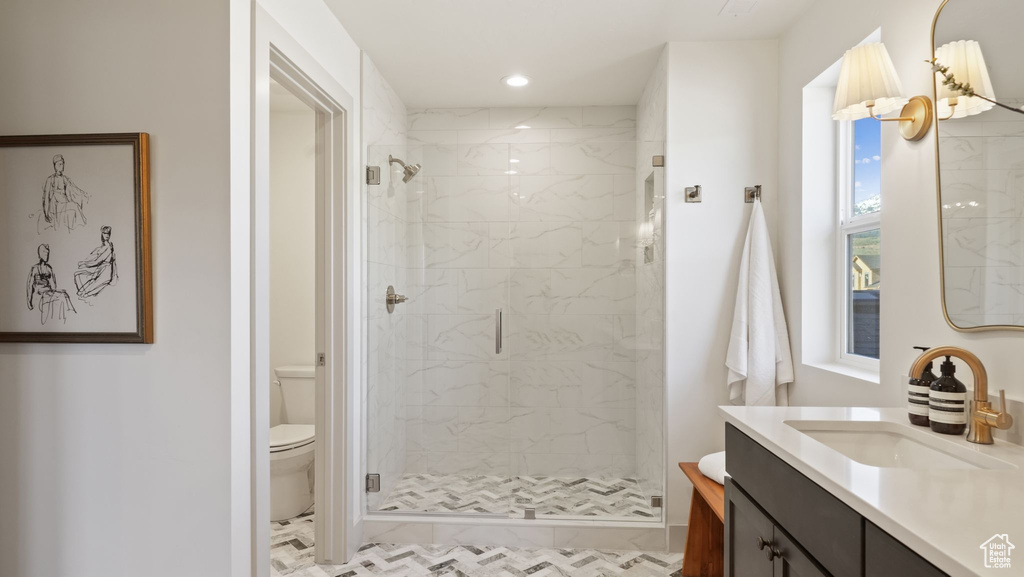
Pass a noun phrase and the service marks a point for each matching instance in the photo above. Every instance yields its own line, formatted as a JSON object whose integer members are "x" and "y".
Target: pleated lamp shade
{"x": 867, "y": 75}
{"x": 967, "y": 65}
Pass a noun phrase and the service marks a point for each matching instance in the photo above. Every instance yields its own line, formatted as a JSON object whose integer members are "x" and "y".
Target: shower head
{"x": 408, "y": 170}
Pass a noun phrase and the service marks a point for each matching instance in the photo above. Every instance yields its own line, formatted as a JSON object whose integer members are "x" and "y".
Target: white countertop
{"x": 942, "y": 514}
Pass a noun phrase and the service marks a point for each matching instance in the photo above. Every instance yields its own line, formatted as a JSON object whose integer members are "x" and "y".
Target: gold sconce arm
{"x": 894, "y": 119}
{"x": 879, "y": 118}
{"x": 915, "y": 119}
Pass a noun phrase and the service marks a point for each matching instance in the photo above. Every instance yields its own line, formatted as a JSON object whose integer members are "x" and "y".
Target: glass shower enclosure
{"x": 521, "y": 375}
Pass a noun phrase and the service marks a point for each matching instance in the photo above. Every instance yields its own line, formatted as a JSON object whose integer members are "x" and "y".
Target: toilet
{"x": 292, "y": 444}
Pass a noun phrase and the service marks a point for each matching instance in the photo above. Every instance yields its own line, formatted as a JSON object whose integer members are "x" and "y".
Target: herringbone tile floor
{"x": 608, "y": 498}
{"x": 424, "y": 493}
{"x": 584, "y": 496}
{"x": 291, "y": 555}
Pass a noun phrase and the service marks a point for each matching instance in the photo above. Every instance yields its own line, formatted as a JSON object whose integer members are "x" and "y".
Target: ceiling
{"x": 452, "y": 53}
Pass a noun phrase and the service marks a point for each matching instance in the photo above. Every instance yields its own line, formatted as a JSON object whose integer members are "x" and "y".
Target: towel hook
{"x": 751, "y": 192}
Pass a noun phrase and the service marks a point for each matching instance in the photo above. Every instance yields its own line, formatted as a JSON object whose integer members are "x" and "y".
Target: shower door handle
{"x": 497, "y": 331}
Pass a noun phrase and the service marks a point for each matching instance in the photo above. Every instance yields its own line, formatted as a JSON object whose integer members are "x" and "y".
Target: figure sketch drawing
{"x": 42, "y": 291}
{"x": 63, "y": 201}
{"x": 62, "y": 210}
{"x": 99, "y": 270}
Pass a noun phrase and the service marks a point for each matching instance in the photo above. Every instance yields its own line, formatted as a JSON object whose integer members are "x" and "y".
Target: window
{"x": 860, "y": 236}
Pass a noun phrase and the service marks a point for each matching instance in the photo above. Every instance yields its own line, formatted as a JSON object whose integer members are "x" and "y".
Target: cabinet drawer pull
{"x": 761, "y": 543}
{"x": 773, "y": 552}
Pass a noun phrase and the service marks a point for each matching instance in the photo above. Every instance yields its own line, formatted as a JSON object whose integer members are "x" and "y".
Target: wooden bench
{"x": 704, "y": 555}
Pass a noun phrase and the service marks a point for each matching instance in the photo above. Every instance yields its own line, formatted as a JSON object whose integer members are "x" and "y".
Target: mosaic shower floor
{"x": 548, "y": 496}
{"x": 291, "y": 555}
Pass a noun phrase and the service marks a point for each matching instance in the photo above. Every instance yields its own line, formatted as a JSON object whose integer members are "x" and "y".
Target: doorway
{"x": 293, "y": 310}
{"x": 321, "y": 227}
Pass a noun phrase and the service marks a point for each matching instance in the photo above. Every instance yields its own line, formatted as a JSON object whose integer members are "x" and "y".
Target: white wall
{"x": 722, "y": 134}
{"x": 116, "y": 457}
{"x": 292, "y": 241}
{"x": 911, "y": 307}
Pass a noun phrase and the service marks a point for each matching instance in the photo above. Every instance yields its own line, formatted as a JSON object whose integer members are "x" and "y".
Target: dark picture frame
{"x": 51, "y": 296}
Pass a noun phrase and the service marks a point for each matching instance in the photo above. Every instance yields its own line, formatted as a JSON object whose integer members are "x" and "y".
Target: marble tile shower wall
{"x": 539, "y": 222}
{"x": 650, "y": 287}
{"x": 384, "y": 133}
{"x": 982, "y": 177}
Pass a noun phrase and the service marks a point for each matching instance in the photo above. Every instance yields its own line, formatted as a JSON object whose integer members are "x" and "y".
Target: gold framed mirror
{"x": 979, "y": 148}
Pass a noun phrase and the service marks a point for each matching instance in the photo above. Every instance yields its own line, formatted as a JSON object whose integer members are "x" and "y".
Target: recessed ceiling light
{"x": 516, "y": 80}
{"x": 522, "y": 127}
{"x": 511, "y": 172}
{"x": 513, "y": 160}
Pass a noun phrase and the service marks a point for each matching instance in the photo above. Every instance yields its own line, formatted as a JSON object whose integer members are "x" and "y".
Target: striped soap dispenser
{"x": 918, "y": 392}
{"x": 947, "y": 402}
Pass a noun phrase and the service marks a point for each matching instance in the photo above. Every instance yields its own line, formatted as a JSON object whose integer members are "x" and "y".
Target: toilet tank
{"x": 298, "y": 394}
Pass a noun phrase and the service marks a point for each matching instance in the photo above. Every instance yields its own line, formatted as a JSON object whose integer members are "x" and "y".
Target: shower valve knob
{"x": 392, "y": 298}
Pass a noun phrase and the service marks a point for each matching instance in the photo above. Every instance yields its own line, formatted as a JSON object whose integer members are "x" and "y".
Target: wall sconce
{"x": 869, "y": 87}
{"x": 966, "y": 64}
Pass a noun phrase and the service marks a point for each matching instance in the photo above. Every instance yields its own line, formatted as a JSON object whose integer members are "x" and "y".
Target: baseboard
{"x": 676, "y": 538}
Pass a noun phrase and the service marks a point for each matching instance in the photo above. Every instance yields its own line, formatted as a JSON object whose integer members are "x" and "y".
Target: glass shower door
{"x": 446, "y": 440}
{"x": 386, "y": 423}
{"x": 586, "y": 332}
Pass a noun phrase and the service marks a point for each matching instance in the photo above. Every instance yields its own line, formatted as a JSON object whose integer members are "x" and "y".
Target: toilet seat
{"x": 285, "y": 437}
{"x": 292, "y": 466}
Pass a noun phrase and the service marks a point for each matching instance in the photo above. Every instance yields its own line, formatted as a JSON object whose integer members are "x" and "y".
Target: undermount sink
{"x": 887, "y": 444}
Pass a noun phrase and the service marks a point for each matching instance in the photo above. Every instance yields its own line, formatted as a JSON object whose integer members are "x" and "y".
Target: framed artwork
{"x": 75, "y": 263}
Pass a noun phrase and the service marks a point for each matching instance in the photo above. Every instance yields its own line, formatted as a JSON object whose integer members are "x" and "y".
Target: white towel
{"x": 713, "y": 467}
{"x": 759, "y": 359}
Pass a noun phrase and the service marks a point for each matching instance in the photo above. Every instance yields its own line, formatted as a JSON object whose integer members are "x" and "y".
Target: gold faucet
{"x": 980, "y": 415}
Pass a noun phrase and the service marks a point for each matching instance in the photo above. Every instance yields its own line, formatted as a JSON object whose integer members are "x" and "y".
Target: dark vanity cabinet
{"x": 756, "y": 547}
{"x": 779, "y": 523}
{"x": 746, "y": 529}
{"x": 886, "y": 556}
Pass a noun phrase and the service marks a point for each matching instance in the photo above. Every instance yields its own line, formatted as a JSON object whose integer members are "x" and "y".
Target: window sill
{"x": 847, "y": 370}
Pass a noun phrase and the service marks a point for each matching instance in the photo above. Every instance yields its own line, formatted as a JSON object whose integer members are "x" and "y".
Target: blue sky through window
{"x": 867, "y": 166}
